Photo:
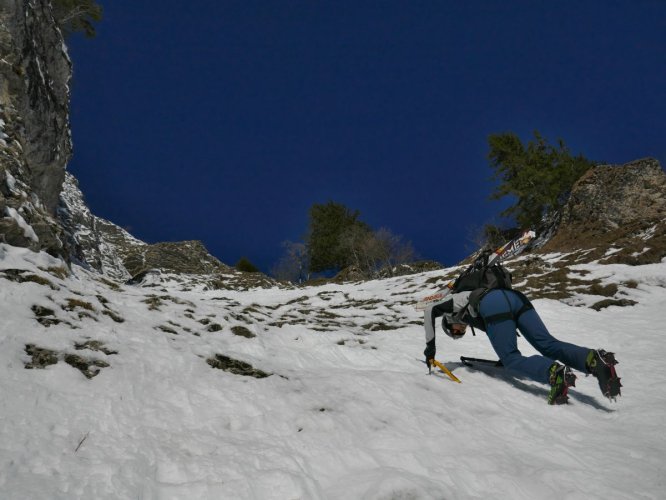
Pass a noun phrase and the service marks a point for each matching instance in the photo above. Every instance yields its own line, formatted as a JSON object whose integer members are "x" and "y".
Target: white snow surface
{"x": 3, "y": 136}
{"x": 10, "y": 180}
{"x": 28, "y": 231}
{"x": 349, "y": 413}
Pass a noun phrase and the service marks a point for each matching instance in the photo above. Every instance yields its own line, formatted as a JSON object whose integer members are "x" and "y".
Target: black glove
{"x": 430, "y": 352}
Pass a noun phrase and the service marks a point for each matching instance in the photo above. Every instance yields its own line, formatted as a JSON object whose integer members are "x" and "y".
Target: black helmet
{"x": 447, "y": 326}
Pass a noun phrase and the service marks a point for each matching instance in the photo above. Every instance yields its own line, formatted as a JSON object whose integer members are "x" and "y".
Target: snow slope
{"x": 349, "y": 412}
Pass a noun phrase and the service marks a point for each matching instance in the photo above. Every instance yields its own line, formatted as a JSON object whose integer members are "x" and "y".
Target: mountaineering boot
{"x": 601, "y": 364}
{"x": 561, "y": 378}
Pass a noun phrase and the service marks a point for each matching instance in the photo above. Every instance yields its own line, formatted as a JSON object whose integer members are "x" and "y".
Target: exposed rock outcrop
{"x": 35, "y": 140}
{"x": 97, "y": 242}
{"x": 608, "y": 197}
{"x": 618, "y": 212}
{"x": 115, "y": 253}
{"x": 183, "y": 257}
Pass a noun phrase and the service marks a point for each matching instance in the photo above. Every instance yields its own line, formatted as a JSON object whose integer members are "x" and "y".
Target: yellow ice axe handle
{"x": 445, "y": 370}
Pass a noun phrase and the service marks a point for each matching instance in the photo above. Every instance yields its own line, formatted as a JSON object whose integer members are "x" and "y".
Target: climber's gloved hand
{"x": 430, "y": 352}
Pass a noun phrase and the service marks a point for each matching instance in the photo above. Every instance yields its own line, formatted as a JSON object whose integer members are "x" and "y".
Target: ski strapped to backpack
{"x": 467, "y": 361}
{"x": 485, "y": 268}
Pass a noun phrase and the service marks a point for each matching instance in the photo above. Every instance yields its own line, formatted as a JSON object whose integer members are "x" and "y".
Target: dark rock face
{"x": 616, "y": 207}
{"x": 608, "y": 197}
{"x": 35, "y": 140}
{"x": 37, "y": 74}
{"x": 183, "y": 257}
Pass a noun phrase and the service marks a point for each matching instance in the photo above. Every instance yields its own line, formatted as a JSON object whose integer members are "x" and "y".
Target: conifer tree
{"x": 246, "y": 266}
{"x": 328, "y": 223}
{"x": 540, "y": 176}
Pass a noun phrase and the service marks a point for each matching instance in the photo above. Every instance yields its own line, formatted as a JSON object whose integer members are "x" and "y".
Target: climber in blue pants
{"x": 502, "y": 334}
{"x": 500, "y": 313}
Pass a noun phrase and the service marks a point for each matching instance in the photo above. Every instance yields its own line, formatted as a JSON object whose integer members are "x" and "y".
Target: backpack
{"x": 481, "y": 275}
{"x": 480, "y": 278}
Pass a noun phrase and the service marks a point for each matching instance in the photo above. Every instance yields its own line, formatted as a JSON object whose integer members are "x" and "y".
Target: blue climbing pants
{"x": 501, "y": 330}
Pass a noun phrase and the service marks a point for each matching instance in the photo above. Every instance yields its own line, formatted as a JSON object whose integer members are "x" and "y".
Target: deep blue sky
{"x": 225, "y": 121}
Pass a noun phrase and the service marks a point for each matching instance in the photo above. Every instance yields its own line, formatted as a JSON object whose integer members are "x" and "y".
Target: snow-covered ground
{"x": 349, "y": 412}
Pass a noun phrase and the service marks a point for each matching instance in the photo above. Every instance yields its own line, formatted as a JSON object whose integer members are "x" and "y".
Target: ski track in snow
{"x": 350, "y": 413}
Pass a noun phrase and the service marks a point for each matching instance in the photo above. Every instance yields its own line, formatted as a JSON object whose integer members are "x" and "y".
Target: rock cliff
{"x": 617, "y": 213}
{"x": 116, "y": 254}
{"x": 35, "y": 140}
{"x": 99, "y": 243}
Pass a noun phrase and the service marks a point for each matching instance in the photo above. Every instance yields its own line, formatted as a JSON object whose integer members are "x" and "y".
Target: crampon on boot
{"x": 561, "y": 378}
{"x": 601, "y": 364}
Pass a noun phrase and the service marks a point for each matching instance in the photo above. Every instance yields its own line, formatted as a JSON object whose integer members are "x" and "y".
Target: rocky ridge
{"x": 100, "y": 244}
{"x": 617, "y": 213}
{"x": 113, "y": 252}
